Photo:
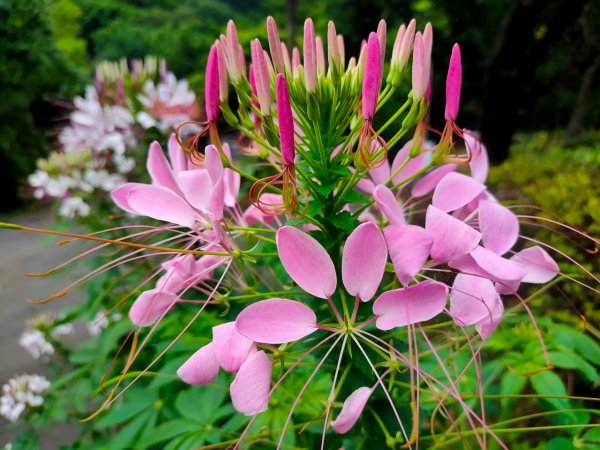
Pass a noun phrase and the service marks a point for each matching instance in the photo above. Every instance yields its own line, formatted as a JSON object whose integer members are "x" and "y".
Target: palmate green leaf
{"x": 131, "y": 432}
{"x": 200, "y": 403}
{"x": 583, "y": 344}
{"x": 325, "y": 190}
{"x": 566, "y": 359}
{"x": 135, "y": 402}
{"x": 549, "y": 383}
{"x": 511, "y": 384}
{"x": 169, "y": 430}
{"x": 344, "y": 221}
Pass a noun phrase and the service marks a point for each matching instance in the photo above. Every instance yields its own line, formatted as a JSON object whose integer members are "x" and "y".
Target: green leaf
{"x": 169, "y": 430}
{"x": 344, "y": 221}
{"x": 511, "y": 384}
{"x": 566, "y": 359}
{"x": 200, "y": 403}
{"x": 548, "y": 383}
{"x": 583, "y": 344}
{"x": 559, "y": 443}
{"x": 326, "y": 189}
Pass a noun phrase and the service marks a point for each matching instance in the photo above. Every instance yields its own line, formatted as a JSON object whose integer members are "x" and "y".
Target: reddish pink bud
{"x": 428, "y": 40}
{"x": 310, "y": 56}
{"x": 275, "y": 45}
{"x": 420, "y": 77}
{"x": 261, "y": 76}
{"x": 252, "y": 81}
{"x": 211, "y": 86}
{"x": 286, "y": 120}
{"x": 407, "y": 43}
{"x": 453, "y": 83}
{"x": 371, "y": 78}
{"x": 381, "y": 35}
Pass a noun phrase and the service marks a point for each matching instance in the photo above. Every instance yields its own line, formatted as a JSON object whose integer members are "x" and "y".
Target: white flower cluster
{"x": 36, "y": 344}
{"x": 167, "y": 103}
{"x": 99, "y": 323}
{"x": 20, "y": 393}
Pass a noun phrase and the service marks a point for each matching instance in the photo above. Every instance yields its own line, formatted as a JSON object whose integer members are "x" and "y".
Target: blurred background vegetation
{"x": 530, "y": 65}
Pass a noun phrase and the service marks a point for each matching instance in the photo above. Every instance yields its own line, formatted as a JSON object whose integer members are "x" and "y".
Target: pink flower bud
{"x": 234, "y": 53}
{"x": 252, "y": 81}
{"x": 310, "y": 56}
{"x": 295, "y": 60}
{"x": 420, "y": 76}
{"x": 407, "y": 43}
{"x": 286, "y": 120}
{"x": 341, "y": 48}
{"x": 320, "y": 56}
{"x": 211, "y": 86}
{"x": 381, "y": 36}
{"x": 453, "y": 83}
{"x": 223, "y": 86}
{"x": 286, "y": 58}
{"x": 428, "y": 41}
{"x": 333, "y": 51}
{"x": 261, "y": 75}
{"x": 371, "y": 78}
{"x": 275, "y": 45}
{"x": 398, "y": 44}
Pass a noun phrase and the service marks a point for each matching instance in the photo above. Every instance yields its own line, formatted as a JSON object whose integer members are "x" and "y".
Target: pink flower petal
{"x": 231, "y": 347}
{"x": 276, "y": 321}
{"x": 382, "y": 172}
{"x": 411, "y": 167}
{"x": 455, "y": 190}
{"x": 498, "y": 225}
{"x": 251, "y": 386}
{"x": 201, "y": 368}
{"x": 414, "y": 304}
{"x": 161, "y": 203}
{"x": 500, "y": 269}
{"x": 479, "y": 164}
{"x": 176, "y": 154}
{"x": 388, "y": 205}
{"x": 363, "y": 261}
{"x": 306, "y": 261}
{"x": 472, "y": 299}
{"x": 159, "y": 168}
{"x": 486, "y": 326}
{"x": 539, "y": 265}
{"x": 196, "y": 186}
{"x": 351, "y": 410}
{"x": 179, "y": 272}
{"x": 213, "y": 163}
{"x": 371, "y": 78}
{"x": 451, "y": 237}
{"x": 409, "y": 247}
{"x": 121, "y": 196}
{"x": 254, "y": 215}
{"x": 428, "y": 183}
{"x": 217, "y": 200}
{"x": 150, "y": 307}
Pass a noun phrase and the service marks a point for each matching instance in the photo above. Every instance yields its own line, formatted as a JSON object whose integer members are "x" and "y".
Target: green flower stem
{"x": 395, "y": 116}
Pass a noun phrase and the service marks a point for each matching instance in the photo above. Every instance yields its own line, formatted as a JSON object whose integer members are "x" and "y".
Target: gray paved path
{"x": 22, "y": 252}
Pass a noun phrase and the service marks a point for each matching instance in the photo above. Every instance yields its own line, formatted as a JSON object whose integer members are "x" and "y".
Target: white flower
{"x": 99, "y": 323}
{"x": 36, "y": 344}
{"x": 124, "y": 164}
{"x": 73, "y": 206}
{"x": 21, "y": 392}
{"x": 63, "y": 330}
